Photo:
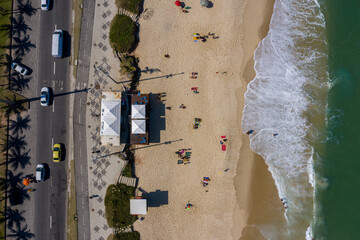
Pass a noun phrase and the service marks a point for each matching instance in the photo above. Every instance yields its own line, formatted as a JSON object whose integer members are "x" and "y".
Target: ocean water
{"x": 287, "y": 107}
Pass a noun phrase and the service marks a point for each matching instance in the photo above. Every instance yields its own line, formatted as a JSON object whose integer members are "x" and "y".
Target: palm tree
{"x": 20, "y": 124}
{"x": 16, "y": 158}
{"x": 18, "y": 82}
{"x": 21, "y": 233}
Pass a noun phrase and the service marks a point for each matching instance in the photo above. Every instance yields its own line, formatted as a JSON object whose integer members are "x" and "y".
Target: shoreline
{"x": 253, "y": 182}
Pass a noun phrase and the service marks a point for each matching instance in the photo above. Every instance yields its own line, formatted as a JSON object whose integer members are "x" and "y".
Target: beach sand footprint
{"x": 148, "y": 13}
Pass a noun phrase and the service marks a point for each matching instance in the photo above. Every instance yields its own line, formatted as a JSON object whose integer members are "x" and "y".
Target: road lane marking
{"x": 80, "y": 152}
{"x": 82, "y": 186}
{"x": 80, "y": 169}
{"x": 50, "y": 221}
{"x": 54, "y": 67}
{"x": 53, "y": 105}
{"x": 52, "y": 142}
{"x": 79, "y": 118}
{"x": 79, "y": 135}
{"x": 80, "y": 102}
{"x": 84, "y": 220}
{"x": 55, "y": 26}
{"x": 82, "y": 202}
{"x": 84, "y": 235}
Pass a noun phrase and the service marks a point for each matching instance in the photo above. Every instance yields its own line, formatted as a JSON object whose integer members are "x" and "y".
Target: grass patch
{"x": 130, "y": 5}
{"x": 127, "y": 170}
{"x": 76, "y": 32}
{"x": 122, "y": 33}
{"x": 117, "y": 206}
{"x": 4, "y": 40}
{"x": 72, "y": 231}
{"x": 125, "y": 236}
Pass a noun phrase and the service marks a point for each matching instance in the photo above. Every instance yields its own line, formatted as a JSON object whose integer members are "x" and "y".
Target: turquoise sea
{"x": 304, "y": 108}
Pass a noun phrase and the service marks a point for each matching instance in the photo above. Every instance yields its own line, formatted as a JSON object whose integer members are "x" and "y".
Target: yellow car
{"x": 57, "y": 153}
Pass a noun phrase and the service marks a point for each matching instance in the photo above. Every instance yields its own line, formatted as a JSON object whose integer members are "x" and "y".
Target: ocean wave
{"x": 291, "y": 73}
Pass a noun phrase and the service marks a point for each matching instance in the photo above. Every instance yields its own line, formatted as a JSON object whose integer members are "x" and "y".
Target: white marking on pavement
{"x": 80, "y": 152}
{"x": 84, "y": 220}
{"x": 82, "y": 186}
{"x": 82, "y": 202}
{"x": 79, "y": 135}
{"x": 80, "y": 102}
{"x": 79, "y": 118}
{"x": 55, "y": 26}
{"x": 50, "y": 221}
{"x": 80, "y": 169}
{"x": 54, "y": 67}
{"x": 52, "y": 142}
{"x": 84, "y": 235}
{"x": 53, "y": 105}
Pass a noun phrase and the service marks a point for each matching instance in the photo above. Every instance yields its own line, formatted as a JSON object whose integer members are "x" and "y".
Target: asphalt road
{"x": 51, "y": 123}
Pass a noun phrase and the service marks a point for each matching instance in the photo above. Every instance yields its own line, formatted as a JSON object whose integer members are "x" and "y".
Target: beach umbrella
{"x": 204, "y": 3}
{"x": 178, "y": 3}
{"x": 26, "y": 181}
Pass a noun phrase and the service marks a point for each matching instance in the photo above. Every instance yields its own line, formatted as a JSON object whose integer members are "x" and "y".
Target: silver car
{"x": 40, "y": 172}
{"x": 45, "y": 96}
{"x": 19, "y": 68}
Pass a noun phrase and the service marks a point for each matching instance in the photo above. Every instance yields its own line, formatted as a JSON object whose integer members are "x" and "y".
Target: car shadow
{"x": 47, "y": 171}
{"x": 63, "y": 152}
{"x": 66, "y": 44}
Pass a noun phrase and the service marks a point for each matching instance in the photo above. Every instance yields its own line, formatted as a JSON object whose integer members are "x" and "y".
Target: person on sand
{"x": 250, "y": 132}
{"x": 169, "y": 108}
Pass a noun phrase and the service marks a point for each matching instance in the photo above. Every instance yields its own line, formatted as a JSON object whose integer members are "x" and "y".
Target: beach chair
{"x": 180, "y": 161}
{"x": 187, "y": 154}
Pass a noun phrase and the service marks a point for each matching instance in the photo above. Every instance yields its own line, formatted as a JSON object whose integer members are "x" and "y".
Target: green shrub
{"x": 117, "y": 206}
{"x": 125, "y": 236}
{"x": 130, "y": 5}
{"x": 122, "y": 33}
{"x": 127, "y": 170}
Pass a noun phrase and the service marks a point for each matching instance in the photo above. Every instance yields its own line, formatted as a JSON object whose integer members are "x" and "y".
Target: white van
{"x": 57, "y": 43}
{"x": 44, "y": 5}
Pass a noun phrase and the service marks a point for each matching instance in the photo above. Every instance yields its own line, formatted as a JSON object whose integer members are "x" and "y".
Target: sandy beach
{"x": 240, "y": 182}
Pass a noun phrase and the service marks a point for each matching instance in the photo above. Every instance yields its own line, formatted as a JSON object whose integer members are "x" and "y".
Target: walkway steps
{"x": 128, "y": 181}
{"x": 133, "y": 16}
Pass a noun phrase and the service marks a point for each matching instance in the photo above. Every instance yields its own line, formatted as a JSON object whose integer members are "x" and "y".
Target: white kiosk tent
{"x": 138, "y": 111}
{"x": 138, "y": 126}
{"x": 138, "y": 206}
{"x": 110, "y": 119}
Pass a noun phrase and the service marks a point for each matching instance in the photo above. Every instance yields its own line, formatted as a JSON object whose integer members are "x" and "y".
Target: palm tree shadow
{"x": 22, "y": 45}
{"x": 13, "y": 217}
{"x": 25, "y": 7}
{"x": 16, "y": 159}
{"x": 20, "y": 124}
{"x": 21, "y": 233}
{"x": 16, "y": 27}
{"x": 19, "y": 82}
{"x": 15, "y": 142}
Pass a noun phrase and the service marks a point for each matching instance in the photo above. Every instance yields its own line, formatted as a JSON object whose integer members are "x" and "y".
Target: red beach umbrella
{"x": 26, "y": 181}
{"x": 178, "y": 3}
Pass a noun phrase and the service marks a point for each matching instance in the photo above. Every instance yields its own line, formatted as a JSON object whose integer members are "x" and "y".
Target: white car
{"x": 40, "y": 172}
{"x": 45, "y": 5}
{"x": 19, "y": 68}
{"x": 45, "y": 96}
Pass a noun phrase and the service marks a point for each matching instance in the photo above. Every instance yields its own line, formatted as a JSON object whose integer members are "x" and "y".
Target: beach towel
{"x": 223, "y": 136}
{"x": 223, "y": 147}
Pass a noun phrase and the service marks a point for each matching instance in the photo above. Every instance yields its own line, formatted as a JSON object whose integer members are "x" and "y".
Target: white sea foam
{"x": 287, "y": 80}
